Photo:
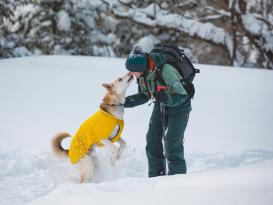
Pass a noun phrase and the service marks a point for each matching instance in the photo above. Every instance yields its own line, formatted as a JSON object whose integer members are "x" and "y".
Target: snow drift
{"x": 229, "y": 145}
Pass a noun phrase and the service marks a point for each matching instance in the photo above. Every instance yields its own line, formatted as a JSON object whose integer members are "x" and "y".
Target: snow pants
{"x": 175, "y": 125}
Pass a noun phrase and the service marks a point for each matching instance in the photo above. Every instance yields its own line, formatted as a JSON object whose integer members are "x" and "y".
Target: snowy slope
{"x": 248, "y": 185}
{"x": 229, "y": 144}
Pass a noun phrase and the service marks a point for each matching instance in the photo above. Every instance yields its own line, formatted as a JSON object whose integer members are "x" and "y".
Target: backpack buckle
{"x": 160, "y": 88}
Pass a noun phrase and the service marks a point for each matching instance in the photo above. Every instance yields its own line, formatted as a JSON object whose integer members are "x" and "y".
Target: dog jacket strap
{"x": 120, "y": 123}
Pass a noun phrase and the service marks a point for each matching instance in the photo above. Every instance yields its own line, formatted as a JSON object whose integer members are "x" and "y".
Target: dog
{"x": 101, "y": 129}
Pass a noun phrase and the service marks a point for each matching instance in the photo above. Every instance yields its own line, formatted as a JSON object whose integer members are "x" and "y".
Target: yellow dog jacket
{"x": 99, "y": 126}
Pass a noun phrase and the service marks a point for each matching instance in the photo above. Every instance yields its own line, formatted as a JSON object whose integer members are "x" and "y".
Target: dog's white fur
{"x": 115, "y": 96}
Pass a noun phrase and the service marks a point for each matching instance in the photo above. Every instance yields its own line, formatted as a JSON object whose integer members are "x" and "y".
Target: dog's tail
{"x": 56, "y": 144}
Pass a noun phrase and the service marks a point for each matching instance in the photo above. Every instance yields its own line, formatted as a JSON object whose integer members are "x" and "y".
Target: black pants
{"x": 175, "y": 124}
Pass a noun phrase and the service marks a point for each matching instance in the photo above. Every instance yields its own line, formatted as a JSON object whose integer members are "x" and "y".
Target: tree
{"x": 5, "y": 46}
{"x": 245, "y": 45}
{"x": 229, "y": 32}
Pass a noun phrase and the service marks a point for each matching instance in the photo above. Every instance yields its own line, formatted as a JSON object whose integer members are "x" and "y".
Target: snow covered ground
{"x": 229, "y": 143}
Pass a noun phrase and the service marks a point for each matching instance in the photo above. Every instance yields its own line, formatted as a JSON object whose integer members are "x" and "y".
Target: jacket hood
{"x": 158, "y": 59}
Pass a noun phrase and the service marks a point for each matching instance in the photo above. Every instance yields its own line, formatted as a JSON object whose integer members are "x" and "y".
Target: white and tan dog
{"x": 97, "y": 131}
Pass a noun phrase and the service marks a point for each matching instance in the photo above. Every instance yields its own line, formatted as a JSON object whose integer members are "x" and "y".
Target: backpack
{"x": 177, "y": 58}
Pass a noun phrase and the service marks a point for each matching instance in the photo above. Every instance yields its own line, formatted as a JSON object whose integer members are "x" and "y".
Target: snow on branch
{"x": 217, "y": 11}
{"x": 206, "y": 31}
{"x": 258, "y": 31}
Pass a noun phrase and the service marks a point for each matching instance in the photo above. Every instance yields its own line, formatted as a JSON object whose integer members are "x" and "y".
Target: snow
{"x": 206, "y": 31}
{"x": 64, "y": 22}
{"x": 228, "y": 142}
{"x": 252, "y": 24}
{"x": 108, "y": 39}
{"x": 256, "y": 27}
{"x": 147, "y": 43}
{"x": 21, "y": 51}
{"x": 206, "y": 188}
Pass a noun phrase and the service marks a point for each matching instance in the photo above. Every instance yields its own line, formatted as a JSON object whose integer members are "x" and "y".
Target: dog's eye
{"x": 119, "y": 79}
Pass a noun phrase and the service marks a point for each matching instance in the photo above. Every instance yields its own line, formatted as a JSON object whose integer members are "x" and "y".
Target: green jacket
{"x": 177, "y": 96}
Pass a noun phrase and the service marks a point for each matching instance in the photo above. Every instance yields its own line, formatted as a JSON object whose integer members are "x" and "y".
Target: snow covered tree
{"x": 5, "y": 46}
{"x": 51, "y": 32}
{"x": 257, "y": 29}
{"x": 239, "y": 29}
{"x": 229, "y": 32}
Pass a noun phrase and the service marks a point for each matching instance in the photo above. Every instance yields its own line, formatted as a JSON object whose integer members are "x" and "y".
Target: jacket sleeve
{"x": 135, "y": 100}
{"x": 177, "y": 94}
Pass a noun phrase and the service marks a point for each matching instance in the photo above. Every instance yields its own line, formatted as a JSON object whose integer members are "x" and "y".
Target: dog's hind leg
{"x": 121, "y": 147}
{"x": 92, "y": 153}
{"x": 86, "y": 168}
{"x": 113, "y": 148}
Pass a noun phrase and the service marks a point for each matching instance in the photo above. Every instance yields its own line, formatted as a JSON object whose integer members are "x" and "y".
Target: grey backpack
{"x": 177, "y": 58}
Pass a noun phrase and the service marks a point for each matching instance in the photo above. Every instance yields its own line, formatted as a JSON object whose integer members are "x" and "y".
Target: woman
{"x": 171, "y": 110}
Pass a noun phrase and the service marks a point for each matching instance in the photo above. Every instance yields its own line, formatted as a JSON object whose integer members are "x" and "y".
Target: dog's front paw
{"x": 82, "y": 179}
{"x": 121, "y": 150}
{"x": 115, "y": 153}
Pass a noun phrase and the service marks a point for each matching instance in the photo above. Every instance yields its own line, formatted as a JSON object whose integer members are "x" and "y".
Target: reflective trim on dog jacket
{"x": 99, "y": 126}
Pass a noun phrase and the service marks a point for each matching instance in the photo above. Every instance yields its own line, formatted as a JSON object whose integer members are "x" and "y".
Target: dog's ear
{"x": 107, "y": 86}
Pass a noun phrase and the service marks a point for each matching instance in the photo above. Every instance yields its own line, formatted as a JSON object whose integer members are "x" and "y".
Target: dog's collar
{"x": 117, "y": 105}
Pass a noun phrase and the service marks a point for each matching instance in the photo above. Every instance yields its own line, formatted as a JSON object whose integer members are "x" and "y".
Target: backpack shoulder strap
{"x": 159, "y": 76}
{"x": 159, "y": 73}
{"x": 138, "y": 86}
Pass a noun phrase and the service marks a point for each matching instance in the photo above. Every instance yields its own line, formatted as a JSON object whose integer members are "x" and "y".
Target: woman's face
{"x": 136, "y": 74}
